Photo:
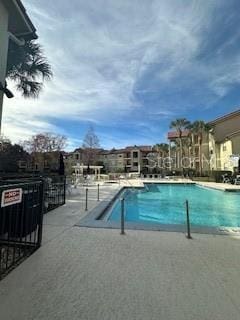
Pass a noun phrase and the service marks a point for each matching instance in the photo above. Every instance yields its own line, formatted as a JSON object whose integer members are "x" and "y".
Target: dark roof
{"x": 19, "y": 22}
{"x": 175, "y": 134}
{"x": 77, "y": 150}
{"x": 128, "y": 149}
{"x": 113, "y": 151}
{"x": 141, "y": 148}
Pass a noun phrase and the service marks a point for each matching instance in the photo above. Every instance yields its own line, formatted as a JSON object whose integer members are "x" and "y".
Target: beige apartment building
{"x": 15, "y": 26}
{"x": 137, "y": 158}
{"x": 224, "y": 142}
{"x": 191, "y": 152}
{"x": 129, "y": 159}
{"x": 220, "y": 149}
{"x": 113, "y": 160}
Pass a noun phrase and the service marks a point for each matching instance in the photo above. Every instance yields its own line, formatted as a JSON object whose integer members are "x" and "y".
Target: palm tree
{"x": 28, "y": 67}
{"x": 180, "y": 125}
{"x": 162, "y": 148}
{"x": 199, "y": 128}
{"x": 163, "y": 151}
{"x": 187, "y": 145}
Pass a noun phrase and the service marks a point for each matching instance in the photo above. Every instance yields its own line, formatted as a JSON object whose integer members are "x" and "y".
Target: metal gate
{"x": 21, "y": 218}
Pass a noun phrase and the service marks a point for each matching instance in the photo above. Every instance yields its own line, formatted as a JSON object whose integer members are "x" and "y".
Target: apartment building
{"x": 137, "y": 158}
{"x": 220, "y": 148}
{"x": 194, "y": 155}
{"x": 113, "y": 160}
{"x": 40, "y": 162}
{"x": 129, "y": 159}
{"x": 224, "y": 142}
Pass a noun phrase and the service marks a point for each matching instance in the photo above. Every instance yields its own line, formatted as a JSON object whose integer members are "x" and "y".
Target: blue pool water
{"x": 165, "y": 204}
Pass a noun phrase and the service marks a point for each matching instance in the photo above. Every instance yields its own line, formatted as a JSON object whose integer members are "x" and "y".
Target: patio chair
{"x": 226, "y": 178}
{"x": 237, "y": 180}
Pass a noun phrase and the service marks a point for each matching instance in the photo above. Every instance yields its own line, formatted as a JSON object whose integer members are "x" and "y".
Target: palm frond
{"x": 28, "y": 67}
{"x": 29, "y": 89}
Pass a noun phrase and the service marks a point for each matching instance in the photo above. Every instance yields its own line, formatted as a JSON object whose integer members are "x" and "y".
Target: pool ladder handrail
{"x": 188, "y": 221}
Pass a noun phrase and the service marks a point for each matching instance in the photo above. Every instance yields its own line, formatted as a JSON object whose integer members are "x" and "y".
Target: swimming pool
{"x": 165, "y": 204}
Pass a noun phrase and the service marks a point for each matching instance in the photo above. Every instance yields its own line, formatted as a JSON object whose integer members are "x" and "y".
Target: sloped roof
{"x": 225, "y": 117}
{"x": 19, "y": 22}
{"x": 175, "y": 134}
{"x": 141, "y": 148}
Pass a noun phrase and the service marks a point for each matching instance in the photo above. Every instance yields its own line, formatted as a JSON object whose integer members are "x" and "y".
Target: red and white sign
{"x": 11, "y": 196}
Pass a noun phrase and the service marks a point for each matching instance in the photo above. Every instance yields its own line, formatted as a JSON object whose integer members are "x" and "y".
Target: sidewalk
{"x": 67, "y": 216}
{"x": 96, "y": 274}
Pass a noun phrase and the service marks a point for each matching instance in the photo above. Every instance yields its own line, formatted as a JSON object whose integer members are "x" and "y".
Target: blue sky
{"x": 130, "y": 67}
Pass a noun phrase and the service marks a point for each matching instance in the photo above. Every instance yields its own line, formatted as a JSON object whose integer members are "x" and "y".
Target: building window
{"x": 135, "y": 154}
{"x": 135, "y": 164}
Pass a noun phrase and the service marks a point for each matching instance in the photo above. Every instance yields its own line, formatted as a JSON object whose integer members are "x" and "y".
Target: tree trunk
{"x": 181, "y": 153}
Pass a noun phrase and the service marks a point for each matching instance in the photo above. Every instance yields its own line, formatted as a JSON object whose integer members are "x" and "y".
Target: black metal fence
{"x": 20, "y": 223}
{"x": 55, "y": 192}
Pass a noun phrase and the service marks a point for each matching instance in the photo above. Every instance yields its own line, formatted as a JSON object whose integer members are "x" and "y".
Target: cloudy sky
{"x": 129, "y": 67}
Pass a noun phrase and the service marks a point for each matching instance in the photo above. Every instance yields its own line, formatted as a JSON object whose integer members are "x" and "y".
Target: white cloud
{"x": 104, "y": 52}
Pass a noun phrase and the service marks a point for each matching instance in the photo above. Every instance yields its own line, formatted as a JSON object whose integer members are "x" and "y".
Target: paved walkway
{"x": 96, "y": 274}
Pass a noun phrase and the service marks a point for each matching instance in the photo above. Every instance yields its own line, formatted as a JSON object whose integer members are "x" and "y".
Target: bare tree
{"x": 45, "y": 142}
{"x": 90, "y": 146}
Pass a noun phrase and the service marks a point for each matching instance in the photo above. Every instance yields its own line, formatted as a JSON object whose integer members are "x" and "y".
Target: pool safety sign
{"x": 11, "y": 196}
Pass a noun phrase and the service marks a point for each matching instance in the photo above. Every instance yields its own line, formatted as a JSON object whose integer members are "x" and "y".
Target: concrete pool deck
{"x": 220, "y": 186}
{"x": 139, "y": 183}
{"x": 91, "y": 274}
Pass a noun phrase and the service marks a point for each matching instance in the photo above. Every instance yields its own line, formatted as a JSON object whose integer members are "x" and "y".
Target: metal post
{"x": 86, "y": 201}
{"x": 122, "y": 217}
{"x": 98, "y": 193}
{"x": 64, "y": 189}
{"x": 41, "y": 190}
{"x": 188, "y": 221}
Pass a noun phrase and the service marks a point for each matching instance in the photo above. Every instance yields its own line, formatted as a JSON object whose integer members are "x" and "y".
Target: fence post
{"x": 64, "y": 189}
{"x": 122, "y": 217}
{"x": 42, "y": 211}
{"x": 188, "y": 221}
{"x": 86, "y": 200}
{"x": 98, "y": 193}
